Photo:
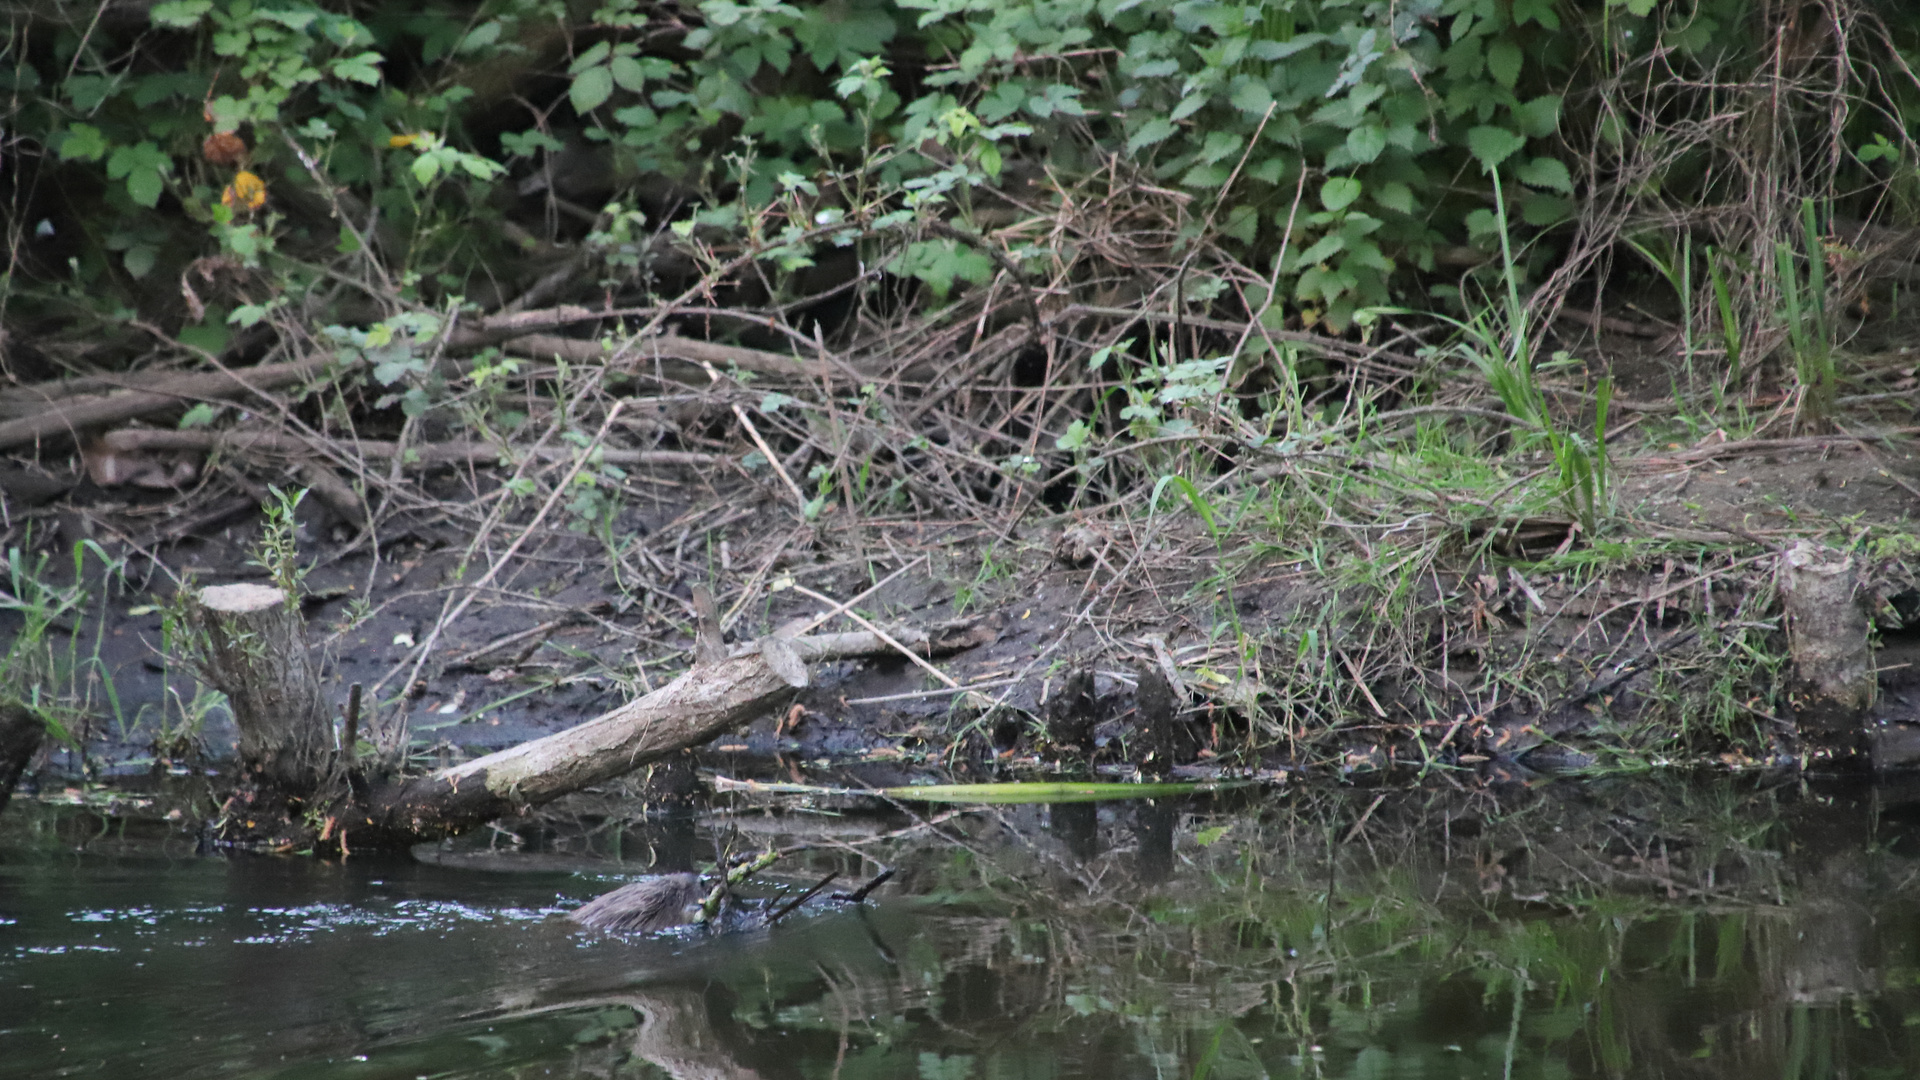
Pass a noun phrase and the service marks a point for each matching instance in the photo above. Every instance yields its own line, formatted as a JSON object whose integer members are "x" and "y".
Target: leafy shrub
{"x": 1341, "y": 146}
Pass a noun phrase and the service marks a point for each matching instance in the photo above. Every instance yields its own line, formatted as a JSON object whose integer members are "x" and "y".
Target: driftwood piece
{"x": 253, "y": 648}
{"x": 65, "y": 416}
{"x": 702, "y": 703}
{"x": 21, "y": 733}
{"x": 708, "y": 699}
{"x": 1834, "y": 681}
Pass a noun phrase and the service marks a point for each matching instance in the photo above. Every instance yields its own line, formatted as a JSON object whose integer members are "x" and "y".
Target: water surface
{"x": 1733, "y": 928}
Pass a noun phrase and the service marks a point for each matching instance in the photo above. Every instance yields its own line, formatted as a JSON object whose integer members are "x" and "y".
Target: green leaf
{"x": 1189, "y": 105}
{"x": 1493, "y": 145}
{"x": 180, "y": 14}
{"x": 145, "y": 186}
{"x": 144, "y": 168}
{"x": 363, "y": 68}
{"x": 590, "y": 88}
{"x": 1545, "y": 172}
{"x": 1366, "y": 142}
{"x": 481, "y": 36}
{"x": 1153, "y": 131}
{"x": 83, "y": 141}
{"x": 1338, "y": 193}
{"x": 1540, "y": 117}
{"x": 1542, "y": 210}
{"x": 629, "y": 73}
{"x": 591, "y": 58}
{"x": 1540, "y": 11}
{"x": 139, "y": 259}
{"x": 1395, "y": 195}
{"x": 1251, "y": 96}
{"x": 1503, "y": 62}
{"x": 86, "y": 92}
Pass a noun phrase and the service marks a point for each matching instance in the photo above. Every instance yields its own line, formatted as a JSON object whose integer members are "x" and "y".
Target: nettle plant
{"x": 1346, "y": 132}
{"x": 263, "y": 134}
{"x": 1341, "y": 146}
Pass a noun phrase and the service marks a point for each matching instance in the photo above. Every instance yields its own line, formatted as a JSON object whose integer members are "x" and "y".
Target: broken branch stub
{"x": 253, "y": 648}
{"x": 1834, "y": 679}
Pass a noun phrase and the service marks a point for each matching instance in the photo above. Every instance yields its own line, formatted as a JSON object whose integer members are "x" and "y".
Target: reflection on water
{"x": 1728, "y": 929}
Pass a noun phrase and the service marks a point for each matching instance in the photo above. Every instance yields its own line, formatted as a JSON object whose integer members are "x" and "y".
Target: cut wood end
{"x": 240, "y": 599}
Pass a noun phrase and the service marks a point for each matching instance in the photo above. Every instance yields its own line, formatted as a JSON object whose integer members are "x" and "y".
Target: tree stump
{"x": 1833, "y": 681}
{"x": 253, "y": 648}
{"x": 21, "y": 733}
{"x": 1071, "y": 713}
{"x": 1156, "y": 711}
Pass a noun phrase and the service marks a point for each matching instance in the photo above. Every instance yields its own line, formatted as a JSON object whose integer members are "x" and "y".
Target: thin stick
{"x": 837, "y": 609}
{"x": 886, "y": 637}
{"x": 772, "y": 459}
{"x": 1362, "y": 823}
{"x": 879, "y": 880}
{"x": 991, "y": 684}
{"x": 802, "y": 898}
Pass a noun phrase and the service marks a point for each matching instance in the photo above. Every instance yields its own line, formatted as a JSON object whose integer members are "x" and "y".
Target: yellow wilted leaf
{"x": 398, "y": 141}
{"x": 247, "y": 193}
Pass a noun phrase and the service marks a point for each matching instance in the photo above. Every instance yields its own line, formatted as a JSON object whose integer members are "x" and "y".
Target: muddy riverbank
{"x": 1441, "y": 641}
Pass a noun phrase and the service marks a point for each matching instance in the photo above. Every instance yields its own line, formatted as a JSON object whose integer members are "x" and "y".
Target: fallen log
{"x": 710, "y": 698}
{"x": 705, "y": 701}
{"x": 299, "y": 791}
{"x": 69, "y": 415}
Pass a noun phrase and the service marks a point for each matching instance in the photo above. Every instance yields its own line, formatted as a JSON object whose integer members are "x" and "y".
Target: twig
{"x": 772, "y": 459}
{"x": 1362, "y": 823}
{"x": 884, "y": 636}
{"x": 803, "y": 898}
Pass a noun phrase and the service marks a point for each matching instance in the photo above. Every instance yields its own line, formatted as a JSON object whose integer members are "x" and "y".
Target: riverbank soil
{"x": 1472, "y": 621}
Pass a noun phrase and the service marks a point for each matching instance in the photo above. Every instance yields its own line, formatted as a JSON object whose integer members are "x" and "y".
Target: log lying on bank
{"x": 705, "y": 701}
{"x": 65, "y": 416}
{"x": 710, "y": 698}
{"x": 251, "y": 644}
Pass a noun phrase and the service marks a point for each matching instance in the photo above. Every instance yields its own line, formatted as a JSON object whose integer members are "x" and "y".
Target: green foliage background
{"x": 1343, "y": 146}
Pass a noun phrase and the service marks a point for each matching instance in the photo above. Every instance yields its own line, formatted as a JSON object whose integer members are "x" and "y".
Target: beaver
{"x": 646, "y": 906}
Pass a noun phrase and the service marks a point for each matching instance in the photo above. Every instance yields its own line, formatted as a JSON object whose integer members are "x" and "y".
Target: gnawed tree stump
{"x": 1833, "y": 681}
{"x": 21, "y": 733}
{"x": 253, "y": 648}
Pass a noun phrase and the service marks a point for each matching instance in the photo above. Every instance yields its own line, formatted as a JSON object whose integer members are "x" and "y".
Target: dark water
{"x": 1726, "y": 929}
